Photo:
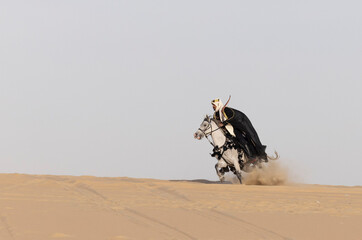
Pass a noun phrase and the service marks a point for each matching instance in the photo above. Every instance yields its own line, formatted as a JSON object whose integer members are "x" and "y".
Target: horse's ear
{"x": 207, "y": 117}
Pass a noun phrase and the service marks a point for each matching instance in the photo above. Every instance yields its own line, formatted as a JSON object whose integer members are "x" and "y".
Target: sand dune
{"x": 36, "y": 207}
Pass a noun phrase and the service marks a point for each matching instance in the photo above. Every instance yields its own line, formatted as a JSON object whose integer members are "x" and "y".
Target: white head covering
{"x": 219, "y": 105}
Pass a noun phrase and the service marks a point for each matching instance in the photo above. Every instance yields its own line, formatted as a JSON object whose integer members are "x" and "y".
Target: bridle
{"x": 218, "y": 151}
{"x": 208, "y": 127}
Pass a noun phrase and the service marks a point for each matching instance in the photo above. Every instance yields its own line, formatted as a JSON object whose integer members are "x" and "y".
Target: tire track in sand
{"x": 160, "y": 223}
{"x": 252, "y": 227}
{"x": 7, "y": 227}
{"x": 91, "y": 190}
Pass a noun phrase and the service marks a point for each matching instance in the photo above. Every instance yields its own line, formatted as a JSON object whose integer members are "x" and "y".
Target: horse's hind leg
{"x": 238, "y": 172}
{"x": 259, "y": 163}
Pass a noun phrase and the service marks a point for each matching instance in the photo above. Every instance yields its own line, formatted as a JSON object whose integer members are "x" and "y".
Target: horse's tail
{"x": 273, "y": 158}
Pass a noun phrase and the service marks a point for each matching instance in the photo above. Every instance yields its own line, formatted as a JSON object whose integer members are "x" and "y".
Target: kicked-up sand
{"x": 37, "y": 207}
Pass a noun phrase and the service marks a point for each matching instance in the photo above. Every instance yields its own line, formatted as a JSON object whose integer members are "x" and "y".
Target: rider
{"x": 242, "y": 129}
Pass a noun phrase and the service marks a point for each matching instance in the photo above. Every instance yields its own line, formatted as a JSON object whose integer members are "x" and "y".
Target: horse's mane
{"x": 215, "y": 120}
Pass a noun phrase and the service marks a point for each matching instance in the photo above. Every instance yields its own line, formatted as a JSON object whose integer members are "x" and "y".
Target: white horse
{"x": 230, "y": 157}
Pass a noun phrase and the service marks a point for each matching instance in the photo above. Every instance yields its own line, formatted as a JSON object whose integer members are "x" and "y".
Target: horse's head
{"x": 204, "y": 129}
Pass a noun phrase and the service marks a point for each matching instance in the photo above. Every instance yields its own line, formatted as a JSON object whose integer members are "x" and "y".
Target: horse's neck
{"x": 218, "y": 136}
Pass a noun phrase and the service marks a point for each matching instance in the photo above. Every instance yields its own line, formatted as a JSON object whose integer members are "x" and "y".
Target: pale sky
{"x": 117, "y": 88}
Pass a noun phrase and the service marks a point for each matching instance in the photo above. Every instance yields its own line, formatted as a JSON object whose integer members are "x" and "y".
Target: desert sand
{"x": 36, "y": 207}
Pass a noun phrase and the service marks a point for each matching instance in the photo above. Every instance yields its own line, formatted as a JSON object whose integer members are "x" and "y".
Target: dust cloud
{"x": 270, "y": 174}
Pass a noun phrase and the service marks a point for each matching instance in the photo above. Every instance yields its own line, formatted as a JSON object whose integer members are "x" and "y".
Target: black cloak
{"x": 244, "y": 131}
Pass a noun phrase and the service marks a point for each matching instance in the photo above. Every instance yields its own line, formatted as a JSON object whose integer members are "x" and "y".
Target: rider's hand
{"x": 220, "y": 124}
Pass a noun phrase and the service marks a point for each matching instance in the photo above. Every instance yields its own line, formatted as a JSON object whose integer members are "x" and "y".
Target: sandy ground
{"x": 37, "y": 207}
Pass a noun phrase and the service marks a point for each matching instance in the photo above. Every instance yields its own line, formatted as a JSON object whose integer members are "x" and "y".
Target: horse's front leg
{"x": 233, "y": 157}
{"x": 237, "y": 168}
{"x": 237, "y": 171}
{"x": 218, "y": 167}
